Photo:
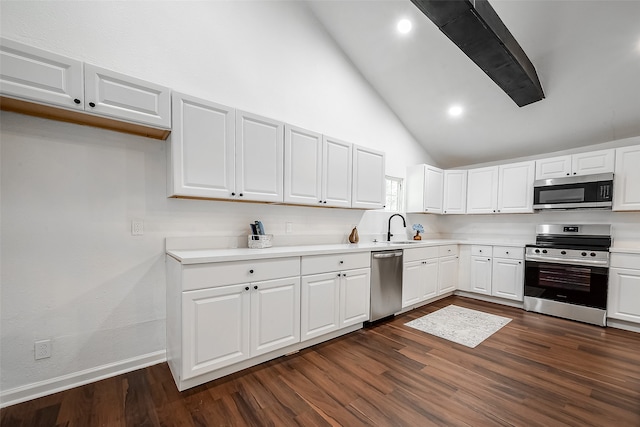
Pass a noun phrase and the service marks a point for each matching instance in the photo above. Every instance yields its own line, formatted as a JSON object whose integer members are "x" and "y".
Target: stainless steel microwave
{"x": 574, "y": 192}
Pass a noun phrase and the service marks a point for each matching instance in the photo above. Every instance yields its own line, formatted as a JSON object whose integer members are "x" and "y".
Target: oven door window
{"x": 572, "y": 284}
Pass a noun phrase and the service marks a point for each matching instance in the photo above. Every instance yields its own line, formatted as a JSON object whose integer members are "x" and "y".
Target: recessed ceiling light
{"x": 404, "y": 26}
{"x": 455, "y": 111}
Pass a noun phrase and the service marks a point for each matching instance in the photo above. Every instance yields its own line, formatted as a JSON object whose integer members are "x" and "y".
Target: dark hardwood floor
{"x": 535, "y": 371}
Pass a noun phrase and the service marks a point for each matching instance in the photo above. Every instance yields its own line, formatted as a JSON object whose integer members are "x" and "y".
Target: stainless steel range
{"x": 567, "y": 272}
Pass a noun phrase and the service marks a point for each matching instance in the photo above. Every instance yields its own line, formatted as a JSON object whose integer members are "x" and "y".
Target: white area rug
{"x": 460, "y": 325}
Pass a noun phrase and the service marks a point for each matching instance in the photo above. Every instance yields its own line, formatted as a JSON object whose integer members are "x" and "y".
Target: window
{"x": 394, "y": 194}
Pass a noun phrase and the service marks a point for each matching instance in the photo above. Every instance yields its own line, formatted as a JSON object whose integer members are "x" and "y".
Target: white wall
{"x": 70, "y": 270}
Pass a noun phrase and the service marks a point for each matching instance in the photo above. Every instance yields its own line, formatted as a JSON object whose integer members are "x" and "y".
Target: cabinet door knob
{"x": 250, "y": 271}
{"x": 324, "y": 202}
{"x": 233, "y": 194}
{"x": 344, "y": 274}
{"x": 507, "y": 252}
{"x": 341, "y": 262}
{"x": 255, "y": 287}
{"x": 240, "y": 194}
{"x": 246, "y": 289}
{"x": 77, "y": 101}
{"x": 338, "y": 274}
{"x": 92, "y": 104}
{"x": 319, "y": 201}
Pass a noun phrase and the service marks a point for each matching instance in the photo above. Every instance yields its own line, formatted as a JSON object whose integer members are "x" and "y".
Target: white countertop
{"x": 624, "y": 250}
{"x": 197, "y": 256}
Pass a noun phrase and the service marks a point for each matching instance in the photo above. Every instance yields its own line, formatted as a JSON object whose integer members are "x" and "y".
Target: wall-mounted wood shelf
{"x": 81, "y": 118}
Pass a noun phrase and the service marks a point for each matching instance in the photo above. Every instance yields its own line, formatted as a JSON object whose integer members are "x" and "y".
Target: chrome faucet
{"x": 404, "y": 223}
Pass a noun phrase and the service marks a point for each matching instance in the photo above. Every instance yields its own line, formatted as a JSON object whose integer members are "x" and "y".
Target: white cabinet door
{"x": 413, "y": 274}
{"x": 515, "y": 187}
{"x": 37, "y": 75}
{"x": 430, "y": 274}
{"x": 508, "y": 278}
{"x": 275, "y": 314}
{"x": 215, "y": 328}
{"x": 320, "y": 308}
{"x": 354, "y": 296}
{"x": 593, "y": 162}
{"x": 433, "y": 189}
{"x": 337, "y": 172}
{"x": 368, "y": 179}
{"x": 424, "y": 185}
{"x": 482, "y": 190}
{"x": 126, "y": 98}
{"x": 626, "y": 190}
{"x": 455, "y": 192}
{"x": 259, "y": 158}
{"x": 623, "y": 301}
{"x": 303, "y": 166}
{"x": 447, "y": 274}
{"x": 481, "y": 275}
{"x": 554, "y": 167}
{"x": 202, "y": 149}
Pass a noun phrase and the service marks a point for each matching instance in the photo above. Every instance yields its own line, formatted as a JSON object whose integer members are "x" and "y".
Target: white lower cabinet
{"x": 335, "y": 299}
{"x": 497, "y": 271}
{"x": 428, "y": 272}
{"x": 623, "y": 302}
{"x": 226, "y": 325}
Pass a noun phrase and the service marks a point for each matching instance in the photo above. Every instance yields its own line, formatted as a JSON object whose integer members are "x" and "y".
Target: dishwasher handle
{"x": 387, "y": 254}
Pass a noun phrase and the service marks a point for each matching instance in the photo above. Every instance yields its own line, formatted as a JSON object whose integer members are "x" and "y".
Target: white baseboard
{"x": 75, "y": 379}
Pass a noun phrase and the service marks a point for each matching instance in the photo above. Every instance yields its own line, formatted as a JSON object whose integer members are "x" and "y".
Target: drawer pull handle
{"x": 250, "y": 271}
{"x": 341, "y": 262}
{"x": 507, "y": 252}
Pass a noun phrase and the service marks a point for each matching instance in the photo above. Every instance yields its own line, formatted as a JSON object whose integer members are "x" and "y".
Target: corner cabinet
{"x": 368, "y": 179}
{"x": 455, "y": 192}
{"x": 424, "y": 189}
{"x": 626, "y": 190}
{"x": 41, "y": 77}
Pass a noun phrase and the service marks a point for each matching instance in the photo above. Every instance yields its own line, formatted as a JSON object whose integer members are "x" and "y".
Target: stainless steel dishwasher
{"x": 386, "y": 283}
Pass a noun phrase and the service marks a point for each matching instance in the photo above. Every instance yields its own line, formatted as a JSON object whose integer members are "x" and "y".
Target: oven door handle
{"x": 553, "y": 260}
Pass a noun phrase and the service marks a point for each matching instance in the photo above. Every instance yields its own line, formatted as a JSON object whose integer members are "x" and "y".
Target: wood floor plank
{"x": 535, "y": 371}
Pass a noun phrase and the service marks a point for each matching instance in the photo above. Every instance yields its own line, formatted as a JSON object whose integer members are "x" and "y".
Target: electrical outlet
{"x": 42, "y": 349}
{"x": 137, "y": 227}
{"x": 288, "y": 227}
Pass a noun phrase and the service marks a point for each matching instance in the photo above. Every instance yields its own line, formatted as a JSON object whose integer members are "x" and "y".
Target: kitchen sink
{"x": 404, "y": 242}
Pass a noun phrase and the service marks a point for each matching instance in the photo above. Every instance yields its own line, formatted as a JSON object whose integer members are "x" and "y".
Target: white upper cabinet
{"x": 515, "y": 187}
{"x": 43, "y": 77}
{"x": 482, "y": 190}
{"x": 455, "y": 192}
{"x": 594, "y": 162}
{"x": 259, "y": 158}
{"x": 318, "y": 169}
{"x": 590, "y": 163}
{"x": 202, "y": 149}
{"x": 126, "y": 98}
{"x": 368, "y": 178}
{"x": 337, "y": 172}
{"x": 303, "y": 166}
{"x": 37, "y": 75}
{"x": 626, "y": 188}
{"x": 554, "y": 167}
{"x": 424, "y": 189}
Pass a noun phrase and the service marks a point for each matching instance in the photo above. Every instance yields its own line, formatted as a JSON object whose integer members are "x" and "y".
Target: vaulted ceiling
{"x": 586, "y": 53}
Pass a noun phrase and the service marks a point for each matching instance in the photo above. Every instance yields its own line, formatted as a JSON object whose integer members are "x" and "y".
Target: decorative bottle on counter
{"x": 417, "y": 236}
{"x": 353, "y": 237}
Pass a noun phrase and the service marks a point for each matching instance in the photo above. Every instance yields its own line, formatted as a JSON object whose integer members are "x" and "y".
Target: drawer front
{"x": 625, "y": 261}
{"x": 509, "y": 252}
{"x": 211, "y": 275}
{"x": 416, "y": 254}
{"x": 477, "y": 250}
{"x": 324, "y": 263}
{"x": 447, "y": 250}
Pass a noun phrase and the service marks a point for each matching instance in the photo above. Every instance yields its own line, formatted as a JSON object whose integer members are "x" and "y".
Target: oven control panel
{"x": 567, "y": 256}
